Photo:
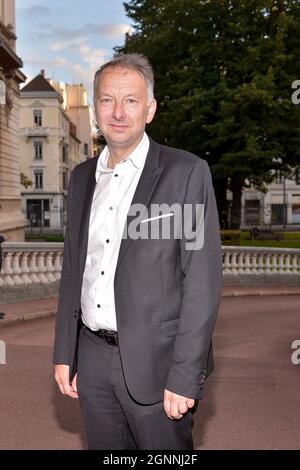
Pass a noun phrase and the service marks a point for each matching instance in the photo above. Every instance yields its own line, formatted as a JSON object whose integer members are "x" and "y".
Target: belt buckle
{"x": 110, "y": 338}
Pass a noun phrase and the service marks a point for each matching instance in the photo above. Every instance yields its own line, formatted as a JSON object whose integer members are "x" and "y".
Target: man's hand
{"x": 176, "y": 405}
{"x": 62, "y": 378}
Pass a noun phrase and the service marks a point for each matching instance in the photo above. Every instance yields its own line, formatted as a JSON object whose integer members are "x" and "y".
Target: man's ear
{"x": 151, "y": 111}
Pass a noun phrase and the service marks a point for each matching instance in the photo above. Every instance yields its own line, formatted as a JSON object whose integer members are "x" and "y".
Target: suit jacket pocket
{"x": 170, "y": 327}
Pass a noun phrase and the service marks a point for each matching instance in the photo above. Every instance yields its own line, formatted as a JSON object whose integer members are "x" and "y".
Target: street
{"x": 252, "y": 400}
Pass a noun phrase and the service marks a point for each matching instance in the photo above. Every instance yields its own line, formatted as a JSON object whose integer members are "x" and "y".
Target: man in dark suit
{"x": 138, "y": 295}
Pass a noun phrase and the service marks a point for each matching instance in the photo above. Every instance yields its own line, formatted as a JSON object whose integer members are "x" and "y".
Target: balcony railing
{"x": 36, "y": 131}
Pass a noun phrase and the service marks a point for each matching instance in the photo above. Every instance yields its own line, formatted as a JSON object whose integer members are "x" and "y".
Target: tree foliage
{"x": 25, "y": 181}
{"x": 224, "y": 71}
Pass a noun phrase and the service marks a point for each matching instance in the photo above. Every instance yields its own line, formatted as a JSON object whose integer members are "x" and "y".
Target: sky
{"x": 69, "y": 39}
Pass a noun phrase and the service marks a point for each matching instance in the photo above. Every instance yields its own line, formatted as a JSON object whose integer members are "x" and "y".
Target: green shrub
{"x": 231, "y": 237}
{"x": 44, "y": 238}
{"x": 291, "y": 235}
{"x": 54, "y": 238}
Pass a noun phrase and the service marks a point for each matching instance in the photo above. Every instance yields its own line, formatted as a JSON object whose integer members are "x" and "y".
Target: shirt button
{"x": 111, "y": 208}
{"x": 116, "y": 175}
{"x": 107, "y": 241}
{"x": 98, "y": 305}
{"x": 102, "y": 272}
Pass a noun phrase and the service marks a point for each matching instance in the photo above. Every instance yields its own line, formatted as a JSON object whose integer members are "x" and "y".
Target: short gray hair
{"x": 137, "y": 62}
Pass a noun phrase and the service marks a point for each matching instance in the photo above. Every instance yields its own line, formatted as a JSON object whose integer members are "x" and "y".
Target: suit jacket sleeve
{"x": 202, "y": 284}
{"x": 62, "y": 329}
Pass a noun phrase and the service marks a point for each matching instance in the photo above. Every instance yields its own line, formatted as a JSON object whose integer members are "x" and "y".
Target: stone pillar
{"x": 12, "y": 221}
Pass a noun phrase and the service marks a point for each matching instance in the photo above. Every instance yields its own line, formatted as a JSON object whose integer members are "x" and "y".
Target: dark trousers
{"x": 112, "y": 418}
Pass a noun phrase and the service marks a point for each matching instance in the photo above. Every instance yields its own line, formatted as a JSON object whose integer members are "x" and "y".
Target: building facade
{"x": 12, "y": 221}
{"x": 76, "y": 105}
{"x": 278, "y": 207}
{"x": 50, "y": 150}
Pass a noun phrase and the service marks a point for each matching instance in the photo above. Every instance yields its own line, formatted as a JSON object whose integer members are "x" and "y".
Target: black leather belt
{"x": 110, "y": 336}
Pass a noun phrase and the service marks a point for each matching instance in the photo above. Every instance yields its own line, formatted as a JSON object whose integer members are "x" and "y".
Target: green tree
{"x": 224, "y": 70}
{"x": 25, "y": 181}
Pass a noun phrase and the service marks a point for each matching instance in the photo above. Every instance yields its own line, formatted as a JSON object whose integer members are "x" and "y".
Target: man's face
{"x": 122, "y": 107}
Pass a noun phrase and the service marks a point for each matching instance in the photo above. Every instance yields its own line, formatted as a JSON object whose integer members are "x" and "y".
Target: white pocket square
{"x": 170, "y": 214}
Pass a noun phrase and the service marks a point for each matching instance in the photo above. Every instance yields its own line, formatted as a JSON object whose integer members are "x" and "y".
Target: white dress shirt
{"x": 112, "y": 198}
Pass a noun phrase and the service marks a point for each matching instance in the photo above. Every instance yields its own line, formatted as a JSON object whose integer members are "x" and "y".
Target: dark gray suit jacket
{"x": 166, "y": 297}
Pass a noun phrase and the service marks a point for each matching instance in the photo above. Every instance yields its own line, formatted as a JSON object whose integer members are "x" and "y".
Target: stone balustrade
{"x": 242, "y": 261}
{"x": 27, "y": 263}
{"x": 33, "y": 263}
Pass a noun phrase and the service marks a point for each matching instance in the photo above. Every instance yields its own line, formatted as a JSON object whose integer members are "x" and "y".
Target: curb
{"x": 28, "y": 317}
{"x": 259, "y": 293}
{"x": 16, "y": 319}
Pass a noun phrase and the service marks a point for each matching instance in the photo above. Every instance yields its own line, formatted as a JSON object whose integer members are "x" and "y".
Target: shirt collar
{"x": 137, "y": 157}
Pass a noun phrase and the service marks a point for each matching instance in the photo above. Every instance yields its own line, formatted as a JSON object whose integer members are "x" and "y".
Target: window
{"x": 2, "y": 92}
{"x": 38, "y": 150}
{"x": 295, "y": 208}
{"x": 37, "y": 117}
{"x": 64, "y": 154}
{"x": 38, "y": 179}
{"x": 64, "y": 180}
{"x": 86, "y": 149}
{"x": 252, "y": 211}
{"x": 2, "y": 10}
{"x": 38, "y": 212}
{"x": 297, "y": 176}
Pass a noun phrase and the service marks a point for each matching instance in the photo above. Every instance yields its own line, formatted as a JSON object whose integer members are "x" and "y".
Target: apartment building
{"x": 50, "y": 149}
{"x": 12, "y": 220}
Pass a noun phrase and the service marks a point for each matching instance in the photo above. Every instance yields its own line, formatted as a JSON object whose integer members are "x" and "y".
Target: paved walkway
{"x": 16, "y": 312}
{"x": 251, "y": 401}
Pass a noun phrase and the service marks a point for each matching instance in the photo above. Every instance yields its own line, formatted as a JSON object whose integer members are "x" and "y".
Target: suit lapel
{"x": 88, "y": 193}
{"x": 146, "y": 185}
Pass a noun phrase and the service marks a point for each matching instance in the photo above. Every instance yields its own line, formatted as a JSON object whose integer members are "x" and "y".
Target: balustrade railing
{"x": 31, "y": 263}
{"x": 26, "y": 263}
{"x": 241, "y": 261}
